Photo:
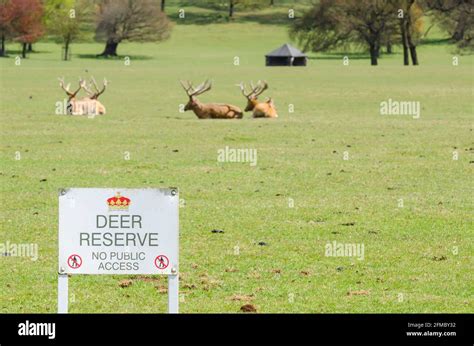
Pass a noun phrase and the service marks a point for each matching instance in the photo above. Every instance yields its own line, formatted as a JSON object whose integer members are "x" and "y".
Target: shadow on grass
{"x": 208, "y": 5}
{"x": 211, "y": 13}
{"x": 199, "y": 18}
{"x": 118, "y": 57}
{"x": 340, "y": 56}
{"x": 436, "y": 41}
{"x": 12, "y": 53}
{"x": 276, "y": 18}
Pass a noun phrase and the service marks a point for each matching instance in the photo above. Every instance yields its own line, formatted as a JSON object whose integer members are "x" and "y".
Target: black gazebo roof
{"x": 286, "y": 51}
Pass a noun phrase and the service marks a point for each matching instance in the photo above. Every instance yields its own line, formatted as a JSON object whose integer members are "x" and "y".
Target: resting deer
{"x": 260, "y": 109}
{"x": 99, "y": 107}
{"x": 208, "y": 110}
{"x": 86, "y": 106}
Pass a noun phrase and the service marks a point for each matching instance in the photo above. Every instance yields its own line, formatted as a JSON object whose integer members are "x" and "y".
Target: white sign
{"x": 118, "y": 231}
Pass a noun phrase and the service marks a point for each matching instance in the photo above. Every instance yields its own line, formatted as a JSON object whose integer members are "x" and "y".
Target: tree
{"x": 411, "y": 28}
{"x": 162, "y": 5}
{"x": 369, "y": 20}
{"x": 332, "y": 23}
{"x": 139, "y": 20}
{"x": 26, "y": 24}
{"x": 319, "y": 29}
{"x": 457, "y": 18}
{"x": 247, "y": 4}
{"x": 6, "y": 29}
{"x": 230, "y": 6}
{"x": 390, "y": 38}
{"x": 64, "y": 20}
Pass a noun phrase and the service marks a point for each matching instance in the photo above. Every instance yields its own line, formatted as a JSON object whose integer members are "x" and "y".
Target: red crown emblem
{"x": 118, "y": 202}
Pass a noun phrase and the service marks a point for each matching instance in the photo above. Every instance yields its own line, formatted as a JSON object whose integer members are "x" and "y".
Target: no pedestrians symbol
{"x": 162, "y": 262}
{"x": 74, "y": 261}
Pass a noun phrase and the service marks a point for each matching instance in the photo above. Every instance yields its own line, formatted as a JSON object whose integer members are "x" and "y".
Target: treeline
{"x": 231, "y": 6}
{"x": 112, "y": 21}
{"x": 374, "y": 25}
{"x": 378, "y": 24}
{"x": 67, "y": 21}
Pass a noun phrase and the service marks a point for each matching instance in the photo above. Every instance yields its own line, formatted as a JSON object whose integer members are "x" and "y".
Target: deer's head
{"x": 253, "y": 94}
{"x": 192, "y": 92}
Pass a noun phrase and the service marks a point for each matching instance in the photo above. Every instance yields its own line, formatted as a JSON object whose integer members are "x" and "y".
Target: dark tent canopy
{"x": 286, "y": 55}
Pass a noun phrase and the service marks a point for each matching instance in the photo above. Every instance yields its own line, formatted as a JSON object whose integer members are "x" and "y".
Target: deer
{"x": 93, "y": 96}
{"x": 88, "y": 105}
{"x": 260, "y": 109}
{"x": 208, "y": 110}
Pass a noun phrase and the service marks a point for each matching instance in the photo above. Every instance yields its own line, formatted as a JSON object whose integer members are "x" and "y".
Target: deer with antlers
{"x": 88, "y": 105}
{"x": 260, "y": 109}
{"x": 208, "y": 110}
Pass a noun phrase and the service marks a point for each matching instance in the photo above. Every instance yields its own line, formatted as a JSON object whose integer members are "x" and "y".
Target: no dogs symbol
{"x": 74, "y": 261}
{"x": 162, "y": 262}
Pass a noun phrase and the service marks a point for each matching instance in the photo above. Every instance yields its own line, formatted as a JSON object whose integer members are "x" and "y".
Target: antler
{"x": 61, "y": 84}
{"x": 66, "y": 89}
{"x": 255, "y": 90}
{"x": 260, "y": 88}
{"x": 242, "y": 89}
{"x": 200, "y": 89}
{"x": 187, "y": 88}
{"x": 98, "y": 92}
{"x": 203, "y": 87}
{"x": 88, "y": 91}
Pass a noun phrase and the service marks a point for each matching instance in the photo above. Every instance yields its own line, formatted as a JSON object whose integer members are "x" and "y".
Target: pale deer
{"x": 208, "y": 110}
{"x": 260, "y": 109}
{"x": 86, "y": 106}
{"x": 97, "y": 106}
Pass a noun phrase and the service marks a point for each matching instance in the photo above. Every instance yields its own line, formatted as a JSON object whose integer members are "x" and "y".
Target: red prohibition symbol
{"x": 162, "y": 262}
{"x": 74, "y": 261}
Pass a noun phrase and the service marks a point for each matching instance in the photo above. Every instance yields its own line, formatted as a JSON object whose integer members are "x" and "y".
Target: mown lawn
{"x": 301, "y": 195}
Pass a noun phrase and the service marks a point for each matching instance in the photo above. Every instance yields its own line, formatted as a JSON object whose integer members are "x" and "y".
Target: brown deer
{"x": 260, "y": 109}
{"x": 208, "y": 110}
{"x": 86, "y": 106}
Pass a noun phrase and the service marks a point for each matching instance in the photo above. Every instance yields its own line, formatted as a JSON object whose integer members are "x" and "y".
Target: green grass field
{"x": 301, "y": 195}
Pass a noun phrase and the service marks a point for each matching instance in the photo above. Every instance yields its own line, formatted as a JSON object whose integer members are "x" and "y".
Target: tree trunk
{"x": 23, "y": 51}
{"x": 2, "y": 48}
{"x": 373, "y": 54}
{"x": 30, "y": 47}
{"x": 458, "y": 33}
{"x": 409, "y": 40}
{"x": 406, "y": 62}
{"x": 231, "y": 8}
{"x": 66, "y": 49}
{"x": 412, "y": 46}
{"x": 414, "y": 56}
{"x": 110, "y": 49}
{"x": 389, "y": 47}
{"x": 272, "y": 2}
{"x": 162, "y": 5}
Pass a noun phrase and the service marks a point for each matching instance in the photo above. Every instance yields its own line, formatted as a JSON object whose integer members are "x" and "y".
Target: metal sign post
{"x": 173, "y": 293}
{"x": 119, "y": 231}
{"x": 63, "y": 293}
